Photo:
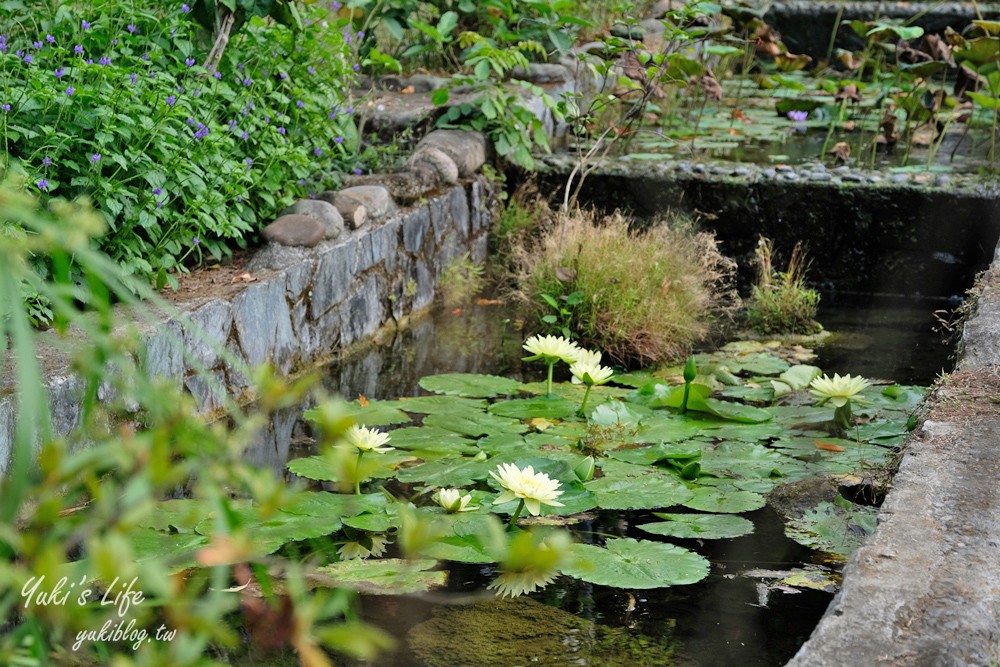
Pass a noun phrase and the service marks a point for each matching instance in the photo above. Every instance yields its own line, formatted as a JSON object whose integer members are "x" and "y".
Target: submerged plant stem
{"x": 548, "y": 382}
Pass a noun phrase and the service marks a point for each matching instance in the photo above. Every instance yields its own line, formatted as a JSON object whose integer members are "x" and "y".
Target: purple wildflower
{"x": 60, "y": 72}
{"x": 84, "y": 24}
{"x": 245, "y": 136}
{"x": 131, "y": 28}
{"x": 249, "y": 163}
{"x": 302, "y": 181}
{"x": 190, "y": 121}
{"x": 218, "y": 75}
{"x": 132, "y": 77}
{"x": 70, "y": 90}
{"x": 239, "y": 67}
{"x": 173, "y": 32}
{"x": 239, "y": 199}
{"x": 361, "y": 34}
{"x": 171, "y": 100}
{"x": 232, "y": 125}
{"x": 37, "y": 44}
{"x": 5, "y": 107}
{"x": 247, "y": 81}
{"x": 357, "y": 171}
{"x": 95, "y": 158}
{"x": 317, "y": 152}
{"x": 282, "y": 76}
{"x": 335, "y": 5}
{"x": 797, "y": 116}
{"x": 28, "y": 58}
{"x": 189, "y": 62}
{"x": 267, "y": 120}
{"x": 50, "y": 39}
{"x": 300, "y": 104}
{"x": 201, "y": 132}
{"x": 196, "y": 240}
{"x": 43, "y": 184}
{"x": 89, "y": 61}
{"x": 311, "y": 69}
{"x": 145, "y": 57}
{"x": 338, "y": 140}
{"x": 78, "y": 49}
{"x": 47, "y": 161}
{"x": 114, "y": 42}
{"x": 157, "y": 191}
{"x": 357, "y": 67}
{"x": 282, "y": 130}
{"x": 349, "y": 111}
{"x": 185, "y": 9}
{"x": 159, "y": 204}
{"x": 104, "y": 62}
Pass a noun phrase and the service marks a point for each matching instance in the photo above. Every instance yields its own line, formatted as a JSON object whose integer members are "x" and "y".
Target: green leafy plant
{"x": 560, "y": 317}
{"x": 780, "y": 302}
{"x": 461, "y": 280}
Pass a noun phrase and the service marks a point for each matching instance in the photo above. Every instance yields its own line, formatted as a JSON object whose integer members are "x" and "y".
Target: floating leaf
{"x": 662, "y": 426}
{"x": 724, "y": 499}
{"x": 737, "y": 459}
{"x": 833, "y": 528}
{"x": 549, "y": 407}
{"x": 647, "y": 492}
{"x": 636, "y": 564}
{"x": 657, "y": 453}
{"x": 178, "y": 515}
{"x": 375, "y": 413}
{"x": 270, "y": 532}
{"x": 387, "y": 576}
{"x": 737, "y": 412}
{"x": 438, "y": 404}
{"x": 431, "y": 439}
{"x": 175, "y": 549}
{"x": 614, "y": 413}
{"x": 377, "y": 466}
{"x": 470, "y": 384}
{"x": 699, "y": 526}
{"x": 475, "y": 425}
{"x": 334, "y": 505}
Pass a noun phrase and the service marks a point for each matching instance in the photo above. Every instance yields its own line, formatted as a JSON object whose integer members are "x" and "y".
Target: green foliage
{"x": 92, "y": 505}
{"x": 646, "y": 296}
{"x": 780, "y": 301}
{"x": 183, "y": 161}
{"x": 461, "y": 280}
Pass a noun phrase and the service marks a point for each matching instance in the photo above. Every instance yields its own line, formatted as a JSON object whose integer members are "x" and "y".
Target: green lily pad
{"x": 647, "y": 492}
{"x": 663, "y": 426}
{"x": 431, "y": 439}
{"x": 438, "y": 404}
{"x": 270, "y": 532}
{"x": 547, "y": 407}
{"x": 724, "y": 499}
{"x": 451, "y": 471}
{"x": 615, "y": 413}
{"x": 387, "y": 576}
{"x": 373, "y": 414}
{"x": 177, "y": 549}
{"x": 662, "y": 452}
{"x": 178, "y": 515}
{"x": 373, "y": 522}
{"x": 636, "y": 564}
{"x": 334, "y": 505}
{"x": 838, "y": 528}
{"x": 699, "y": 526}
{"x": 376, "y": 466}
{"x": 737, "y": 412}
{"x": 475, "y": 425}
{"x": 470, "y": 385}
{"x": 741, "y": 460}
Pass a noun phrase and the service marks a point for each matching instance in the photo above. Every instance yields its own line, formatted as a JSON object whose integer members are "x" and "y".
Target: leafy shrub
{"x": 780, "y": 302}
{"x": 648, "y": 296}
{"x": 111, "y": 100}
{"x": 85, "y": 506}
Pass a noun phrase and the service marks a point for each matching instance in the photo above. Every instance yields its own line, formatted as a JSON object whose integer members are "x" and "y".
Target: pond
{"x": 729, "y": 617}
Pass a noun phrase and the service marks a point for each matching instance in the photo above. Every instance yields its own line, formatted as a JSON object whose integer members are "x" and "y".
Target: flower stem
{"x": 357, "y": 473}
{"x": 548, "y": 384}
{"x": 517, "y": 512}
{"x": 583, "y": 405}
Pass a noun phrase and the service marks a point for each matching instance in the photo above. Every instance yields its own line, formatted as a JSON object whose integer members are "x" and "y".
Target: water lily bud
{"x": 584, "y": 470}
{"x": 690, "y": 370}
{"x": 481, "y": 456}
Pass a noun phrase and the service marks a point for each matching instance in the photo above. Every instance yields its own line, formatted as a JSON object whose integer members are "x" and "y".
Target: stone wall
{"x": 303, "y": 305}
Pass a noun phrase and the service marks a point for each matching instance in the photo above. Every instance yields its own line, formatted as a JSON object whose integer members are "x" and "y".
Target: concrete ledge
{"x": 303, "y": 305}
{"x": 925, "y": 588}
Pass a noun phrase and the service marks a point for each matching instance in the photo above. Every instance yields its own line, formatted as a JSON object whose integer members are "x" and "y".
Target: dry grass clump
{"x": 644, "y": 296}
{"x": 780, "y": 302}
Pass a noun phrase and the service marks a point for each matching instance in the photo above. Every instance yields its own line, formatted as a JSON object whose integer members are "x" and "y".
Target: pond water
{"x": 725, "y": 619}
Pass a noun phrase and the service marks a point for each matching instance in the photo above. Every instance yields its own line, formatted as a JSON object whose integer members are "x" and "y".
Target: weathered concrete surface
{"x": 925, "y": 588}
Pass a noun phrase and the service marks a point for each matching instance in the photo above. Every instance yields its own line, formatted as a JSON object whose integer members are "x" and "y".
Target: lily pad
{"x": 470, "y": 384}
{"x": 636, "y": 564}
{"x": 431, "y": 439}
{"x": 724, "y": 499}
{"x": 737, "y": 412}
{"x": 741, "y": 460}
{"x": 374, "y": 413}
{"x": 699, "y": 526}
{"x": 838, "y": 528}
{"x": 438, "y": 404}
{"x": 647, "y": 492}
{"x": 657, "y": 453}
{"x": 387, "y": 576}
{"x": 552, "y": 407}
{"x": 475, "y": 425}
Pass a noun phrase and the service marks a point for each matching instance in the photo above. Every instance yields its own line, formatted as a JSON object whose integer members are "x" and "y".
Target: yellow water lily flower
{"x": 534, "y": 488}
{"x": 838, "y": 389}
{"x": 513, "y": 584}
{"x": 368, "y": 439}
{"x": 592, "y": 357}
{"x": 357, "y": 550}
{"x": 552, "y": 348}
{"x": 453, "y": 501}
{"x": 590, "y": 374}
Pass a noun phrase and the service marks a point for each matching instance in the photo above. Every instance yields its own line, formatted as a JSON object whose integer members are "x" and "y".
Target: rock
{"x": 296, "y": 230}
{"x": 466, "y": 149}
{"x": 652, "y": 26}
{"x": 444, "y": 168}
{"x": 623, "y": 31}
{"x": 425, "y": 83}
{"x": 324, "y": 211}
{"x": 660, "y": 9}
{"x": 352, "y": 211}
{"x": 375, "y": 201}
{"x": 542, "y": 73}
{"x": 403, "y": 187}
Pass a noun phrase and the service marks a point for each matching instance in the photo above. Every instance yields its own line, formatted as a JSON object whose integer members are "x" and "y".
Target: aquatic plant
{"x": 648, "y": 296}
{"x": 551, "y": 350}
{"x": 531, "y": 489}
{"x": 587, "y": 370}
{"x": 840, "y": 391}
{"x": 453, "y": 501}
{"x": 780, "y": 302}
